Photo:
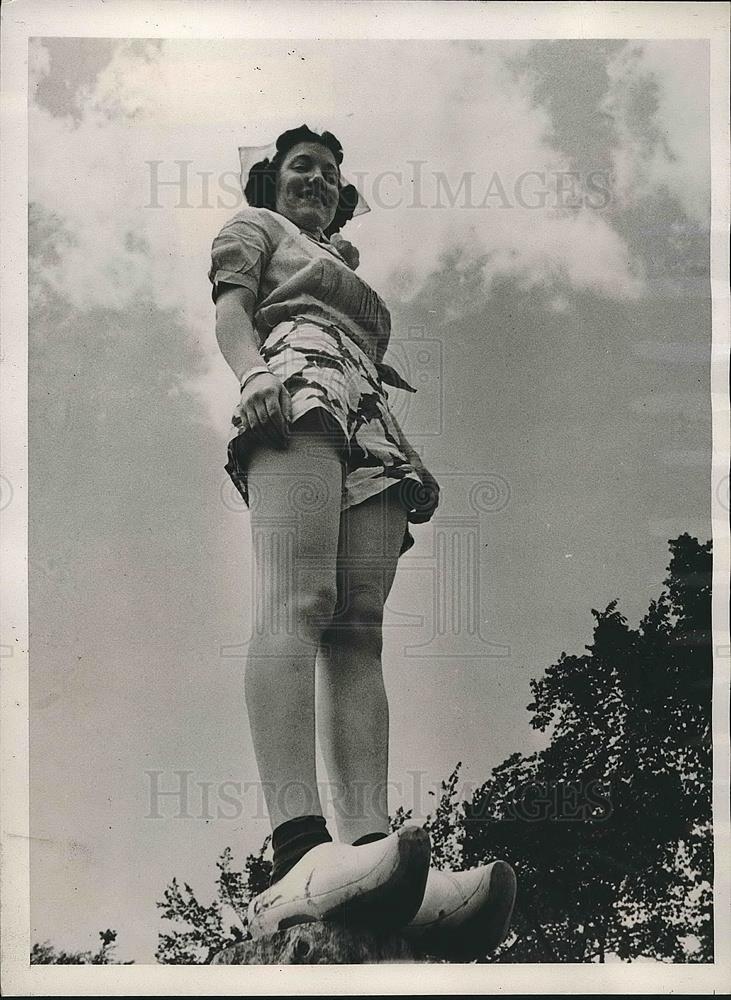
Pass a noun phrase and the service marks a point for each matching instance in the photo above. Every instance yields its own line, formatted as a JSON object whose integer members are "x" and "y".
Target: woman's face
{"x": 307, "y": 186}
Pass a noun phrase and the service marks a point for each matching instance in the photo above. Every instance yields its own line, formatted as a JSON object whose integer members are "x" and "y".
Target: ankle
{"x": 292, "y": 839}
{"x": 369, "y": 838}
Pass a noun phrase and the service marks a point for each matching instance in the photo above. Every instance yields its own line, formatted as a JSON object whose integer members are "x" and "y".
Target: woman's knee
{"x": 296, "y": 612}
{"x": 358, "y": 617}
{"x": 314, "y": 607}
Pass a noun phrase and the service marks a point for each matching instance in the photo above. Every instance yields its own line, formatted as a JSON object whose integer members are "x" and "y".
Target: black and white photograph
{"x": 365, "y": 497}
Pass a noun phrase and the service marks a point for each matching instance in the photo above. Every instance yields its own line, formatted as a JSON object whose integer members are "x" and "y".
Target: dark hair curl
{"x": 261, "y": 185}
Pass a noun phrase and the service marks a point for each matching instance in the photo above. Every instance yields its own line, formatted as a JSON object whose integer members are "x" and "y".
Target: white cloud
{"x": 658, "y": 98}
{"x": 462, "y": 113}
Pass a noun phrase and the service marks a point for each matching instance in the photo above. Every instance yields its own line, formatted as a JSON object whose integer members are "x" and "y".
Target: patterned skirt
{"x": 322, "y": 368}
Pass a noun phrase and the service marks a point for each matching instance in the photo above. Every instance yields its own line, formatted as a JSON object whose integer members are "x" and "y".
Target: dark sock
{"x": 293, "y": 839}
{"x": 369, "y": 838}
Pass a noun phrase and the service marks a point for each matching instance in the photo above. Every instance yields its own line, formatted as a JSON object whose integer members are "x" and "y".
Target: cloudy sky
{"x": 539, "y": 229}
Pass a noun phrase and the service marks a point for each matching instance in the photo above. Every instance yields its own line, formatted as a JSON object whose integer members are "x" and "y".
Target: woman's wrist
{"x": 252, "y": 373}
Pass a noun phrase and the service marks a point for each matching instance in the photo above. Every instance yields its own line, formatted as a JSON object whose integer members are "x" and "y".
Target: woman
{"x": 332, "y": 484}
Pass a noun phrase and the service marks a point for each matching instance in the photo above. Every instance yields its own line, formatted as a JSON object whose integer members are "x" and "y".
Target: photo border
{"x": 413, "y": 20}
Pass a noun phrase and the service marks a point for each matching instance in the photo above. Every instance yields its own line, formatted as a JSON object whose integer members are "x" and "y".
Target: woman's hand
{"x": 428, "y": 495}
{"x": 265, "y": 410}
{"x": 425, "y": 495}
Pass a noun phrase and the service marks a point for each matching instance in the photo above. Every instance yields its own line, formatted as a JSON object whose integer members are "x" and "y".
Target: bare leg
{"x": 351, "y": 701}
{"x": 295, "y": 515}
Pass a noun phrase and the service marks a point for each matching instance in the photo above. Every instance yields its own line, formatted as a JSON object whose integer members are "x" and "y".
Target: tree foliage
{"x": 609, "y": 827}
{"x": 46, "y": 954}
{"x": 202, "y": 934}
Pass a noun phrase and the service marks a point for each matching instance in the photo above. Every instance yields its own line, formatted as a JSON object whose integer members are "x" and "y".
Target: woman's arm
{"x": 235, "y": 329}
{"x": 265, "y": 406}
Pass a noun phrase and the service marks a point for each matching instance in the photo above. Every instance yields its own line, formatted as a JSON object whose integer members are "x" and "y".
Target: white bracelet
{"x": 258, "y": 370}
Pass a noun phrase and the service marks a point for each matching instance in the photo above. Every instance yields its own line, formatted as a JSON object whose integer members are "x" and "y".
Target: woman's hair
{"x": 261, "y": 185}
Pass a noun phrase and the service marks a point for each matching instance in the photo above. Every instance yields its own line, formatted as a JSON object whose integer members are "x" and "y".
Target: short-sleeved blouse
{"x": 294, "y": 275}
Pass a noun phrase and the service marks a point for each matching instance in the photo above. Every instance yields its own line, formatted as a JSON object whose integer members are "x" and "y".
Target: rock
{"x": 319, "y": 944}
